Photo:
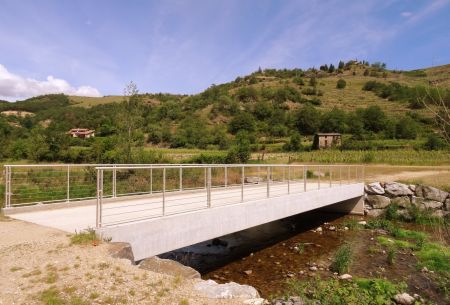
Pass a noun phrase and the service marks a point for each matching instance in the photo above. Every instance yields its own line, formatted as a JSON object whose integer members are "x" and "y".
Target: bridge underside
{"x": 159, "y": 235}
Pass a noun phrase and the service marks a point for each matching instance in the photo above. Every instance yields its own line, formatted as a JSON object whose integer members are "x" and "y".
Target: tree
{"x": 240, "y": 152}
{"x": 341, "y": 83}
{"x": 331, "y": 69}
{"x": 406, "y": 128}
{"x": 295, "y": 143}
{"x": 438, "y": 103}
{"x": 242, "y": 121}
{"x": 307, "y": 120}
{"x": 434, "y": 142}
{"x": 129, "y": 120}
{"x": 334, "y": 121}
{"x": 373, "y": 118}
{"x": 313, "y": 81}
{"x": 341, "y": 65}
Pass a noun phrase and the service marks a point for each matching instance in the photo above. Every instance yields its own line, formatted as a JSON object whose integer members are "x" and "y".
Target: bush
{"x": 434, "y": 142}
{"x": 341, "y": 83}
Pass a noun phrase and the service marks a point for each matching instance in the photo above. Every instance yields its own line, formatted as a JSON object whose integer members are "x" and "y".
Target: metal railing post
{"x": 289, "y": 178}
{"x": 340, "y": 175}
{"x": 348, "y": 172}
{"x": 7, "y": 187}
{"x": 363, "y": 173}
{"x": 268, "y": 181}
{"x": 226, "y": 176}
{"x": 181, "y": 178}
{"x": 98, "y": 222}
{"x": 164, "y": 192}
{"x": 305, "y": 175}
{"x": 320, "y": 173}
{"x": 68, "y": 183}
{"x": 206, "y": 182}
{"x": 151, "y": 180}
{"x": 208, "y": 189}
{"x": 114, "y": 182}
{"x": 330, "y": 175}
{"x": 242, "y": 184}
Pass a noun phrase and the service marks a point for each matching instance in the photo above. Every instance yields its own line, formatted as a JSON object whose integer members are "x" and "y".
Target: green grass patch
{"x": 335, "y": 292}
{"x": 390, "y": 242}
{"x": 85, "y": 237}
{"x": 435, "y": 257}
{"x": 51, "y": 296}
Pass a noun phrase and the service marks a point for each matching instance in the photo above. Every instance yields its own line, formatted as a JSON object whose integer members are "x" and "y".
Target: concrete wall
{"x": 156, "y": 236}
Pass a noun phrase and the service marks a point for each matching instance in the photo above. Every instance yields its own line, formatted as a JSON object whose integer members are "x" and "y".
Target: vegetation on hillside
{"x": 367, "y": 103}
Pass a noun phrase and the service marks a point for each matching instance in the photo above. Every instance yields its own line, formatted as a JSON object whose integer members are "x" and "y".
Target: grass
{"x": 335, "y": 292}
{"x": 435, "y": 257}
{"x": 390, "y": 242}
{"x": 85, "y": 237}
{"x": 391, "y": 255}
{"x": 342, "y": 259}
{"x": 51, "y": 296}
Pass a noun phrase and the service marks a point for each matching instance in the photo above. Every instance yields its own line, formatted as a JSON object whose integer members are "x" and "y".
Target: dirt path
{"x": 406, "y": 175}
{"x": 38, "y": 266}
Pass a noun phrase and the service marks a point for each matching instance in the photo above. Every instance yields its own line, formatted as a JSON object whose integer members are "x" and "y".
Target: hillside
{"x": 371, "y": 105}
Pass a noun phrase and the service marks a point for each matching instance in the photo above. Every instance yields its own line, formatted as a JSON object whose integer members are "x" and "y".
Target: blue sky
{"x": 91, "y": 47}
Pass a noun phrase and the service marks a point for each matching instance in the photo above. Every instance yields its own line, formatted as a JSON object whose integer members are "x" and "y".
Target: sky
{"x": 96, "y": 47}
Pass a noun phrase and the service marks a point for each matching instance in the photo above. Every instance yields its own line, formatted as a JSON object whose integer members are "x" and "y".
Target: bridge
{"x": 162, "y": 207}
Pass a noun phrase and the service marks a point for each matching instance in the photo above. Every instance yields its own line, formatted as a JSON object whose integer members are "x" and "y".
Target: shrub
{"x": 341, "y": 83}
{"x": 85, "y": 237}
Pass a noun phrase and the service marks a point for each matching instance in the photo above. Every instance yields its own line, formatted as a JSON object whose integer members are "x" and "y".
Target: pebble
{"x": 345, "y": 277}
{"x": 319, "y": 229}
{"x": 313, "y": 268}
{"x": 404, "y": 299}
{"x": 345, "y": 228}
{"x": 248, "y": 272}
{"x": 362, "y": 222}
{"x": 332, "y": 228}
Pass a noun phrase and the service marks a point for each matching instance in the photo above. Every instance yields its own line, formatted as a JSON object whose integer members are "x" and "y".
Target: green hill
{"x": 371, "y": 105}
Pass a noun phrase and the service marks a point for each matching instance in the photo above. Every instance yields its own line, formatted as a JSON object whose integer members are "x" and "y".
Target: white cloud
{"x": 406, "y": 14}
{"x": 14, "y": 87}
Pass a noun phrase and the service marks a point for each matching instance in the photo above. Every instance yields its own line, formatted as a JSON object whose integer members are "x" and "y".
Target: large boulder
{"x": 417, "y": 201}
{"x": 121, "y": 250}
{"x": 402, "y": 201}
{"x": 230, "y": 290}
{"x": 431, "y": 204}
{"x": 395, "y": 189}
{"x": 378, "y": 201}
{"x": 431, "y": 193}
{"x": 169, "y": 267}
{"x": 374, "y": 188}
{"x": 375, "y": 212}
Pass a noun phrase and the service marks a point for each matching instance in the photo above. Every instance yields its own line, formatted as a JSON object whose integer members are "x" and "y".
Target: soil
{"x": 36, "y": 258}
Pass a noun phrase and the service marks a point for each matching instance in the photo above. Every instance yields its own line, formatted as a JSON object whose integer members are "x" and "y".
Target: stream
{"x": 266, "y": 256}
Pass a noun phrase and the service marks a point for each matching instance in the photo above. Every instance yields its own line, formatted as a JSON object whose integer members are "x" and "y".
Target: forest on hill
{"x": 269, "y": 110}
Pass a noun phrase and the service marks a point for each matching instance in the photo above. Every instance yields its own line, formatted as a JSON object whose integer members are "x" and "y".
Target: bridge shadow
{"x": 219, "y": 252}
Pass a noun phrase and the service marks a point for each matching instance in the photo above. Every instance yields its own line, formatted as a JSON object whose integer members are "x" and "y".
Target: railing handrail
{"x": 351, "y": 176}
{"x": 17, "y": 175}
{"x": 147, "y": 165}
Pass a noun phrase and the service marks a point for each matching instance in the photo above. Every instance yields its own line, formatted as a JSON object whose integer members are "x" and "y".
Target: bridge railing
{"x": 161, "y": 190}
{"x": 30, "y": 184}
